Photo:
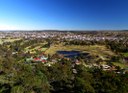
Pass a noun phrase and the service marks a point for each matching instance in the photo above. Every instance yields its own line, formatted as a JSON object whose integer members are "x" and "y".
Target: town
{"x": 63, "y": 46}
{"x": 63, "y": 55}
{"x": 46, "y": 44}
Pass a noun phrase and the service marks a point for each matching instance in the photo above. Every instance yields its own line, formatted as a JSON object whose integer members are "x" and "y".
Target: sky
{"x": 63, "y": 14}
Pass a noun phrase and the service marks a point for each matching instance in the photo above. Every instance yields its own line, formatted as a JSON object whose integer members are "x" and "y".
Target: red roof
{"x": 44, "y": 61}
{"x": 36, "y": 59}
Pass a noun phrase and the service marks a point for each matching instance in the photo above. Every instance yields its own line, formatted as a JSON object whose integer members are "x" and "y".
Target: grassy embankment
{"x": 9, "y": 40}
{"x": 35, "y": 47}
{"x": 94, "y": 50}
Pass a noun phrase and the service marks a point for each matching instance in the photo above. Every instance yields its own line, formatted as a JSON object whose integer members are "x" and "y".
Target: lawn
{"x": 120, "y": 64}
{"x": 35, "y": 47}
{"x": 93, "y": 49}
{"x": 125, "y": 54}
{"x": 9, "y": 40}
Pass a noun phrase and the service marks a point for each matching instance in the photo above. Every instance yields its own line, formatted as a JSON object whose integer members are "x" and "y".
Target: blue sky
{"x": 63, "y": 14}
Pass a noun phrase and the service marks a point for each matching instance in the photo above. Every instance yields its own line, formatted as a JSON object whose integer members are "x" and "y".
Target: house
{"x": 43, "y": 58}
{"x": 29, "y": 59}
{"x": 125, "y": 70}
{"x": 14, "y": 53}
{"x": 106, "y": 67}
{"x": 77, "y": 62}
{"x": 43, "y": 61}
{"x": 74, "y": 71}
{"x": 37, "y": 59}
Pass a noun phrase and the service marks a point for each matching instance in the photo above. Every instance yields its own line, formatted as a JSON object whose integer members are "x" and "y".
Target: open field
{"x": 101, "y": 51}
{"x": 9, "y": 40}
{"x": 125, "y": 54}
{"x": 35, "y": 47}
{"x": 120, "y": 65}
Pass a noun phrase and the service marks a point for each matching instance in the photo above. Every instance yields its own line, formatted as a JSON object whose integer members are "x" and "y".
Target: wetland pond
{"x": 72, "y": 54}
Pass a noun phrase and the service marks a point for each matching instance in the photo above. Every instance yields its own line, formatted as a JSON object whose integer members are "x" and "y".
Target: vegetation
{"x": 81, "y": 74}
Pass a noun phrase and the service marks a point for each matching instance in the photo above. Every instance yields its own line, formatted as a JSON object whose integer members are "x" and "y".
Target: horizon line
{"x": 66, "y": 30}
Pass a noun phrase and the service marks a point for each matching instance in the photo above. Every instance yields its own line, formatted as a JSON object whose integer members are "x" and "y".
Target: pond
{"x": 71, "y": 54}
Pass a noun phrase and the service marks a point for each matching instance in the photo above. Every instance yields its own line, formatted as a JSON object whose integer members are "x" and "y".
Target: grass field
{"x": 35, "y": 47}
{"x": 102, "y": 51}
{"x": 120, "y": 64}
{"x": 125, "y": 54}
{"x": 9, "y": 40}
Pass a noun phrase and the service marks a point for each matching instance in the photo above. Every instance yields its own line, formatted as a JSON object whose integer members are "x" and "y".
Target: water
{"x": 71, "y": 54}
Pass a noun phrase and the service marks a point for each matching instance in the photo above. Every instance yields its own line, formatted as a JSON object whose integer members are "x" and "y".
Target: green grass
{"x": 9, "y": 40}
{"x": 125, "y": 54}
{"x": 120, "y": 64}
{"x": 93, "y": 49}
{"x": 33, "y": 49}
{"x": 44, "y": 49}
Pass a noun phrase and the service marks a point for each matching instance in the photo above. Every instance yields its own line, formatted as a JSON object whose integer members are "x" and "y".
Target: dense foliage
{"x": 59, "y": 78}
{"x": 17, "y": 76}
